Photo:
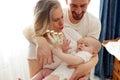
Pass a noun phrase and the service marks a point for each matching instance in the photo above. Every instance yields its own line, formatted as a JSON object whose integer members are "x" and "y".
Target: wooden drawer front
{"x": 117, "y": 66}
{"x": 116, "y": 76}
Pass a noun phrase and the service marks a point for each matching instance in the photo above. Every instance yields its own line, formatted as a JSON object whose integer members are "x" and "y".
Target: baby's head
{"x": 89, "y": 44}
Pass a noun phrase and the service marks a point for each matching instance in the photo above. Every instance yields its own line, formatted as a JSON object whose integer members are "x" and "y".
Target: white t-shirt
{"x": 88, "y": 26}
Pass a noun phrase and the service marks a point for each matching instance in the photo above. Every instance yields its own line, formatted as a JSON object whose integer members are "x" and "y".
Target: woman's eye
{"x": 86, "y": 45}
{"x": 55, "y": 20}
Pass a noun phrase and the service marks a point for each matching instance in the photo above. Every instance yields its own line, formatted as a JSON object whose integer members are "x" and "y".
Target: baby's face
{"x": 85, "y": 45}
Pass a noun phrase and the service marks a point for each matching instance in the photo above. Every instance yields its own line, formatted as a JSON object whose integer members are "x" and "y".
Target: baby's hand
{"x": 57, "y": 40}
{"x": 66, "y": 45}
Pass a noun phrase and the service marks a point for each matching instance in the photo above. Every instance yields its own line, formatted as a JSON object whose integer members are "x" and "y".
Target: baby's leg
{"x": 42, "y": 74}
{"x": 52, "y": 77}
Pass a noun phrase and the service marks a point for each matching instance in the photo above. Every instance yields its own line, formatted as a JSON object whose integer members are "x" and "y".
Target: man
{"x": 76, "y": 17}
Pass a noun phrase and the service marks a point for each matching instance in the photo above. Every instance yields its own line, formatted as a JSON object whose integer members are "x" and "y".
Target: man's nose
{"x": 78, "y": 10}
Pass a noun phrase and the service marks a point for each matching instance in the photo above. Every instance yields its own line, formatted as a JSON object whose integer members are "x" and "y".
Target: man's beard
{"x": 77, "y": 16}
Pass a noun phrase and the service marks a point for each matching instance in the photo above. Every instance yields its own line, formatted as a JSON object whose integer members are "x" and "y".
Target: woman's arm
{"x": 67, "y": 58}
{"x": 84, "y": 69}
{"x": 43, "y": 50}
{"x": 34, "y": 67}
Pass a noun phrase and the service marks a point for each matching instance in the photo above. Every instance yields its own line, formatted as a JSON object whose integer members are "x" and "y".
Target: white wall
{"x": 94, "y": 7}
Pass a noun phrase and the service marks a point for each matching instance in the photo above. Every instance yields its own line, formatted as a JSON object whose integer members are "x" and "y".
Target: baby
{"x": 86, "y": 48}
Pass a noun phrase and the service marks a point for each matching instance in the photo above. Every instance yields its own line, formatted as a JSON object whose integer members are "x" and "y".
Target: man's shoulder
{"x": 91, "y": 16}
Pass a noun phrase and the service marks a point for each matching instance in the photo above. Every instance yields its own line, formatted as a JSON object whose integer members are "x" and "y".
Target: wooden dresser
{"x": 116, "y": 70}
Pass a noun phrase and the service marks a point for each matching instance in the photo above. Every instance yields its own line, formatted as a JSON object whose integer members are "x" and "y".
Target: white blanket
{"x": 113, "y": 48}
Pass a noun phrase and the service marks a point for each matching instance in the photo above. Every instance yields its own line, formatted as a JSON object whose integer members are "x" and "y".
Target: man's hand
{"x": 43, "y": 51}
{"x": 80, "y": 72}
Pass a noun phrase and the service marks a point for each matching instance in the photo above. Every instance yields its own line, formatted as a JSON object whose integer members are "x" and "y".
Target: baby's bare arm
{"x": 67, "y": 58}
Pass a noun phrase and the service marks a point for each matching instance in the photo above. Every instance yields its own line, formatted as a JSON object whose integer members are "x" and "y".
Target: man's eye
{"x": 73, "y": 6}
{"x": 83, "y": 6}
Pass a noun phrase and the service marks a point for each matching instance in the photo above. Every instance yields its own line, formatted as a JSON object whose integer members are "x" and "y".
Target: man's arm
{"x": 43, "y": 50}
{"x": 84, "y": 69}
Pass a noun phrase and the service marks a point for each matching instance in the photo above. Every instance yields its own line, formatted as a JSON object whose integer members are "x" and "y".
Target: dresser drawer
{"x": 117, "y": 66}
{"x": 116, "y": 76}
{"x": 116, "y": 70}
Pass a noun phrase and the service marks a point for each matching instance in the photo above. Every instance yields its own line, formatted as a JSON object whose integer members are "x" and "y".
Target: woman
{"x": 48, "y": 15}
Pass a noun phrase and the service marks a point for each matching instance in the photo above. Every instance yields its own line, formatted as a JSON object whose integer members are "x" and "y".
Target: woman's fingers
{"x": 45, "y": 61}
{"x": 44, "y": 55}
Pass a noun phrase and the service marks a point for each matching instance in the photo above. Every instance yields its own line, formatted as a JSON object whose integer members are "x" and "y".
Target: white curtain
{"x": 15, "y": 15}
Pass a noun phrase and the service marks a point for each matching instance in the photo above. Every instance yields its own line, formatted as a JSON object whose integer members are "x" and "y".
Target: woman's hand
{"x": 43, "y": 51}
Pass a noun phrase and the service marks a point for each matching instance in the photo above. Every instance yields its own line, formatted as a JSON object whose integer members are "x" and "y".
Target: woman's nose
{"x": 61, "y": 22}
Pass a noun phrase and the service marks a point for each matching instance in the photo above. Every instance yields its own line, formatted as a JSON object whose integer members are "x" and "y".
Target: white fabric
{"x": 84, "y": 55}
{"x": 65, "y": 73}
{"x": 113, "y": 48}
{"x": 31, "y": 51}
{"x": 88, "y": 26}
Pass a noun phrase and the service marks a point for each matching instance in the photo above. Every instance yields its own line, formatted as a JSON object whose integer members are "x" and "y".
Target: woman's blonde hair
{"x": 43, "y": 13}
